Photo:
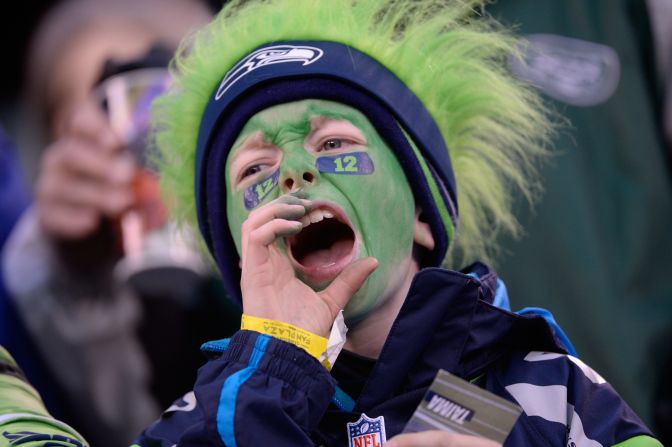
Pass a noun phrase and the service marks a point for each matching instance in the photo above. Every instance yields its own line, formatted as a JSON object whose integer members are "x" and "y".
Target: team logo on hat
{"x": 277, "y": 54}
{"x": 367, "y": 432}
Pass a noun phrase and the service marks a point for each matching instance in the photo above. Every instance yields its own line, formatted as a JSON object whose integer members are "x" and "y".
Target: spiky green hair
{"x": 449, "y": 53}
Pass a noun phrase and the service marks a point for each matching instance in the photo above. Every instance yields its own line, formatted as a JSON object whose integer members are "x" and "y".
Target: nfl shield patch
{"x": 367, "y": 432}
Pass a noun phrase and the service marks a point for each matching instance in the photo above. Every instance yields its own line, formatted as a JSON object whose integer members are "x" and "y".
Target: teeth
{"x": 316, "y": 216}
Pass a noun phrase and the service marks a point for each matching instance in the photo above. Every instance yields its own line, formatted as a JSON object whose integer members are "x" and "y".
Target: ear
{"x": 422, "y": 234}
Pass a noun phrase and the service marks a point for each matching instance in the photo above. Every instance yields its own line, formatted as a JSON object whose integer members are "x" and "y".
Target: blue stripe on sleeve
{"x": 342, "y": 400}
{"x": 226, "y": 410}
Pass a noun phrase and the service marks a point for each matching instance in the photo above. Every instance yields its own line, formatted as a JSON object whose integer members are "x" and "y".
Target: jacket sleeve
{"x": 23, "y": 418}
{"x": 258, "y": 391}
{"x": 566, "y": 403}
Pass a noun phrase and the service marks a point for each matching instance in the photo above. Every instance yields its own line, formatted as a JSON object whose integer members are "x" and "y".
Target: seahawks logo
{"x": 187, "y": 403}
{"x": 32, "y": 438}
{"x": 277, "y": 54}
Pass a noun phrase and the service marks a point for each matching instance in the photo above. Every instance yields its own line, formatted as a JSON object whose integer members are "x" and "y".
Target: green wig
{"x": 448, "y": 53}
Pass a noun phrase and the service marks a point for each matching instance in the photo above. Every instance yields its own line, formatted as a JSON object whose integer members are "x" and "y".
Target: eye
{"x": 251, "y": 170}
{"x": 331, "y": 135}
{"x": 332, "y": 143}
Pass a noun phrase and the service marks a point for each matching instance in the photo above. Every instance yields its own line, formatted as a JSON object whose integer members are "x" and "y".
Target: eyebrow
{"x": 245, "y": 146}
{"x": 315, "y": 111}
{"x": 249, "y": 144}
{"x": 269, "y": 133}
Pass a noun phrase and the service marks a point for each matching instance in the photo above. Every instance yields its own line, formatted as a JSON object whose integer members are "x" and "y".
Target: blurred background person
{"x": 115, "y": 299}
{"x": 14, "y": 198}
{"x": 14, "y": 195}
{"x": 598, "y": 251}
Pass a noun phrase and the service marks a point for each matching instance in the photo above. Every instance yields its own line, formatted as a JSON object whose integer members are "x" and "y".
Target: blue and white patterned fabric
{"x": 257, "y": 390}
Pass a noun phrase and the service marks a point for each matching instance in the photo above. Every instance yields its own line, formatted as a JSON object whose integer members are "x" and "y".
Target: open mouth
{"x": 325, "y": 246}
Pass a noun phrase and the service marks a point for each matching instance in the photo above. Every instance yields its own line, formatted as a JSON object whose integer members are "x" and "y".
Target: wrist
{"x": 313, "y": 344}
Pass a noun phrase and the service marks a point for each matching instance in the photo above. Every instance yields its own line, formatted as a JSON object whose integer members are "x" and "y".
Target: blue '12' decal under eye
{"x": 354, "y": 163}
{"x": 256, "y": 193}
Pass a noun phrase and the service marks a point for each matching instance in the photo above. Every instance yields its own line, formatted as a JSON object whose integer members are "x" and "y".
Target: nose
{"x": 295, "y": 179}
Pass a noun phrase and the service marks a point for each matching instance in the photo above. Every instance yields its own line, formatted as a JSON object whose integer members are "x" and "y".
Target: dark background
{"x": 15, "y": 35}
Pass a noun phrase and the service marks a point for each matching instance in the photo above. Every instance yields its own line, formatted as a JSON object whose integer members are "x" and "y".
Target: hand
{"x": 269, "y": 287}
{"x": 436, "y": 438}
{"x": 85, "y": 176}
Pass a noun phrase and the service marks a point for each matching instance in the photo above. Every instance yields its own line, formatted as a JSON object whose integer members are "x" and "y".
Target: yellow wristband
{"x": 311, "y": 343}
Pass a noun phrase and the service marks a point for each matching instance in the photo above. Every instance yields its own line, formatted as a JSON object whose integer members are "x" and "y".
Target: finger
{"x": 259, "y": 273}
{"x": 73, "y": 156}
{"x": 67, "y": 179}
{"x": 348, "y": 282}
{"x": 277, "y": 228}
{"x": 257, "y": 245}
{"x": 285, "y": 207}
{"x": 82, "y": 192}
{"x": 274, "y": 210}
{"x": 436, "y": 438}
{"x": 89, "y": 121}
{"x": 60, "y": 222}
{"x": 262, "y": 217}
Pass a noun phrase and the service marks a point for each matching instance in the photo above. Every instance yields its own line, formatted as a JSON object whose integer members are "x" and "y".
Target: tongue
{"x": 328, "y": 256}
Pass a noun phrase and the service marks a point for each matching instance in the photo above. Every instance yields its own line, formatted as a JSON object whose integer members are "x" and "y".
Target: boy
{"x": 323, "y": 137}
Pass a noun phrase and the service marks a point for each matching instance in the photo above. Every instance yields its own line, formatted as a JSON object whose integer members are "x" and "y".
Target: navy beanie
{"x": 291, "y": 71}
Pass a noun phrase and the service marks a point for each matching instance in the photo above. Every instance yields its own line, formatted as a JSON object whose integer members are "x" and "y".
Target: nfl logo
{"x": 367, "y": 432}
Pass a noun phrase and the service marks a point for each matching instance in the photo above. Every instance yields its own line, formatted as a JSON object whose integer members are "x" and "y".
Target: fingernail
{"x": 300, "y": 193}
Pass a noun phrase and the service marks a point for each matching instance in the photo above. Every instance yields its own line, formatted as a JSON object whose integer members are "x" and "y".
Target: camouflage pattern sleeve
{"x": 23, "y": 418}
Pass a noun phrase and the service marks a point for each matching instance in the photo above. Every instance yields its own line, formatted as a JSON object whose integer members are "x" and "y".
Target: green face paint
{"x": 310, "y": 145}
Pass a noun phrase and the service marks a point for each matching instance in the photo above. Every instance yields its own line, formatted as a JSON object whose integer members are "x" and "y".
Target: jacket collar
{"x": 448, "y": 322}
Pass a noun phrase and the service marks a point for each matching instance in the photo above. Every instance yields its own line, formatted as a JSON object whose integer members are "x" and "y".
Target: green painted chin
{"x": 356, "y": 214}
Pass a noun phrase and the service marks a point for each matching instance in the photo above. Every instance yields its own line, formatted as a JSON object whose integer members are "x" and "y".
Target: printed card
{"x": 453, "y": 404}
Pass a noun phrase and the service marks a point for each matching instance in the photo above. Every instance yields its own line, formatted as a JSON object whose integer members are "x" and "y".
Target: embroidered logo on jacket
{"x": 25, "y": 437}
{"x": 276, "y": 54}
{"x": 367, "y": 432}
{"x": 186, "y": 403}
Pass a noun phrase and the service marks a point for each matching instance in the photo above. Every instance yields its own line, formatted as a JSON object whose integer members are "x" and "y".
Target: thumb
{"x": 349, "y": 281}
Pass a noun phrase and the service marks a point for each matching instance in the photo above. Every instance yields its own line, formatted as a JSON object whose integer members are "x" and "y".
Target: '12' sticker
{"x": 354, "y": 163}
{"x": 256, "y": 193}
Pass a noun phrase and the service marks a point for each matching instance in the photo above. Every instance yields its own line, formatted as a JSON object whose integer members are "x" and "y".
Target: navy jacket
{"x": 260, "y": 391}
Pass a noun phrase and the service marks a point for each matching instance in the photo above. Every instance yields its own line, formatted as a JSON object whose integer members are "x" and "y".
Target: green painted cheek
{"x": 241, "y": 202}
{"x": 384, "y": 208}
{"x": 235, "y": 215}
{"x": 387, "y": 232}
